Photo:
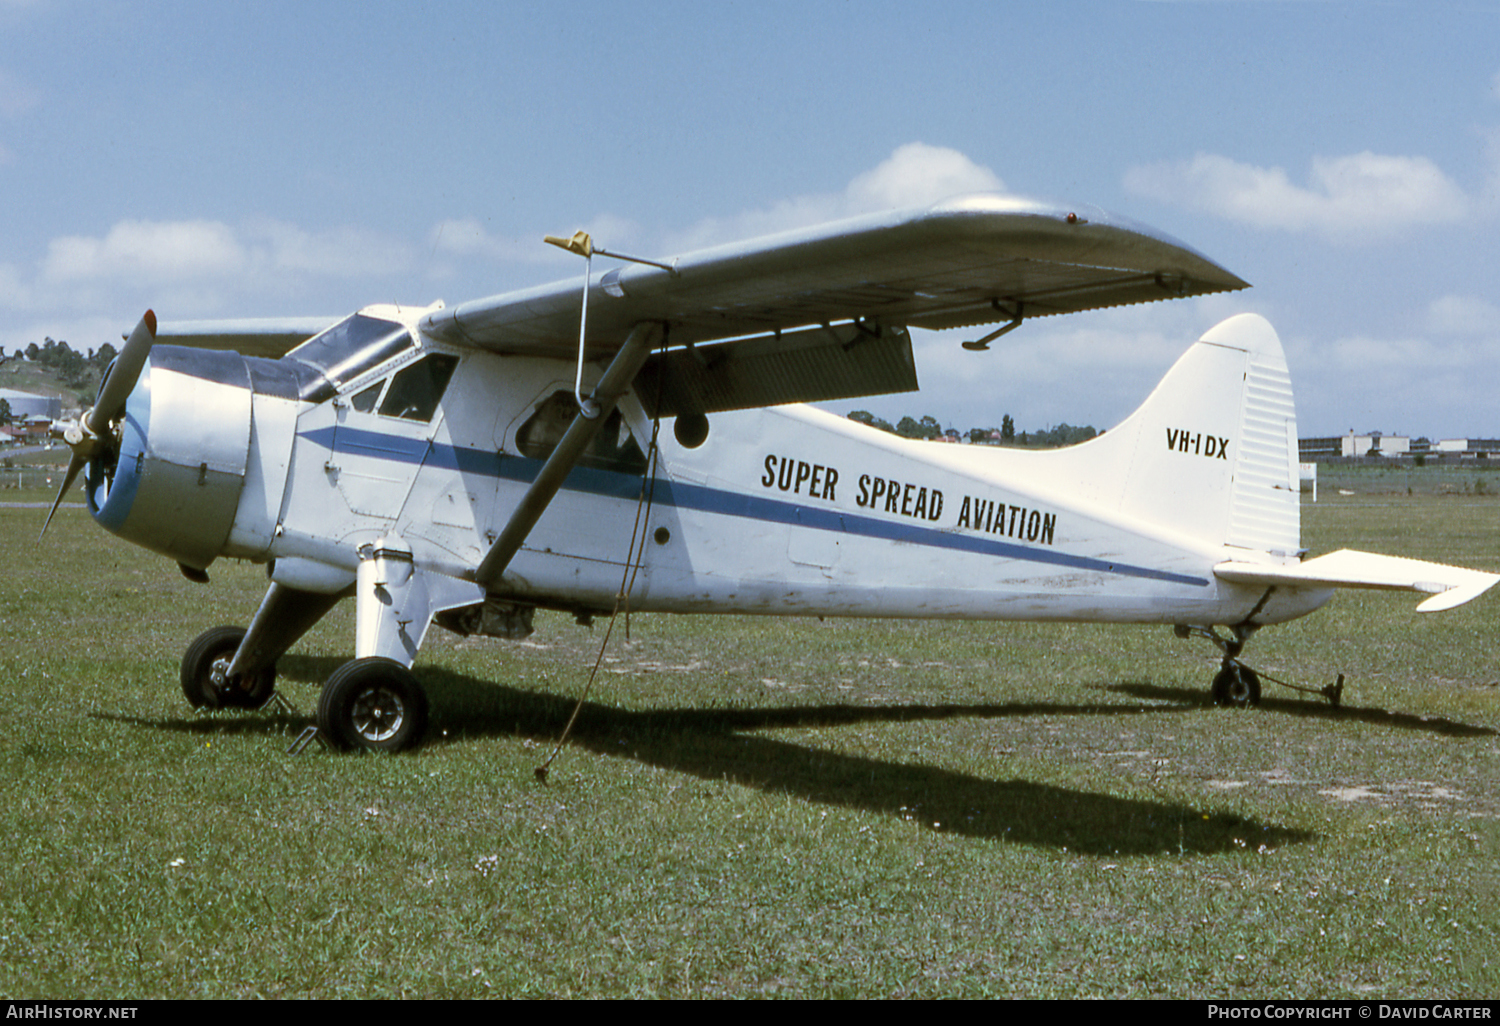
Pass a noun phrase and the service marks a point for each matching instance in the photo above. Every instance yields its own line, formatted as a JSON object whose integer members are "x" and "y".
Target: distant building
{"x": 1375, "y": 444}
{"x": 1313, "y": 449}
{"x": 29, "y": 404}
{"x": 1388, "y": 445}
{"x": 31, "y": 429}
{"x": 1469, "y": 448}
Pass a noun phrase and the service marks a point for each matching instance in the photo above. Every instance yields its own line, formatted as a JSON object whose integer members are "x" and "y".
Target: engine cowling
{"x": 175, "y": 483}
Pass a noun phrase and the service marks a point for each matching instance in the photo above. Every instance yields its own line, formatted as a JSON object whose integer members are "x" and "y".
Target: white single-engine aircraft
{"x": 466, "y": 465}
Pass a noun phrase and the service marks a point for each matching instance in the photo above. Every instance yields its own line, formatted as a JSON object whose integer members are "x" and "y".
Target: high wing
{"x": 971, "y": 260}
{"x": 249, "y": 336}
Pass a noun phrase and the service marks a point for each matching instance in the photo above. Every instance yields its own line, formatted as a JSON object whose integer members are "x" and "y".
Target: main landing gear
{"x": 1236, "y": 686}
{"x": 372, "y": 703}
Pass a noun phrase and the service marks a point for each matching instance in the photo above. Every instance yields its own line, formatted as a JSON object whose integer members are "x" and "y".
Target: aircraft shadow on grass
{"x": 1316, "y": 708}
{"x": 715, "y": 744}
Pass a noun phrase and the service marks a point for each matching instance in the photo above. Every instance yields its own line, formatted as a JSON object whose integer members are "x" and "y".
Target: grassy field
{"x": 762, "y": 807}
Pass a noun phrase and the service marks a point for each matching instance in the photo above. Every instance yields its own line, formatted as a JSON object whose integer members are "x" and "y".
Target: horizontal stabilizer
{"x": 1449, "y": 586}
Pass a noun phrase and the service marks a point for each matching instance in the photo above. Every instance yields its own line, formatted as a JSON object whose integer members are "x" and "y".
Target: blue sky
{"x": 237, "y": 159}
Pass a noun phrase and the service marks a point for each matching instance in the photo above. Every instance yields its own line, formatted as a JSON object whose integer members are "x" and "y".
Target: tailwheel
{"x": 1236, "y": 685}
{"x": 205, "y": 673}
{"x": 373, "y": 703}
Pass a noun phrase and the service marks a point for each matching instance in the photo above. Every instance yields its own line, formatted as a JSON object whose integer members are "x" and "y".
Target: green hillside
{"x": 54, "y": 368}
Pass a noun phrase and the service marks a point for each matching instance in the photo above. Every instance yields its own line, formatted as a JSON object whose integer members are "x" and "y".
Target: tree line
{"x": 80, "y": 371}
{"x": 928, "y": 427}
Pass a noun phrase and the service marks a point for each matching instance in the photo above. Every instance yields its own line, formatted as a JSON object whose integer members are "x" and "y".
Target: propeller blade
{"x": 123, "y": 375}
{"x": 74, "y": 466}
{"x": 84, "y": 436}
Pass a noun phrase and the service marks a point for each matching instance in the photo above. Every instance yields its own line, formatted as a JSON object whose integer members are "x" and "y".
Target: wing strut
{"x": 615, "y": 383}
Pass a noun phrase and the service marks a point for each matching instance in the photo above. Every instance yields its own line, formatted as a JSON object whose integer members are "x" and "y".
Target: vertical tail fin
{"x": 1212, "y": 454}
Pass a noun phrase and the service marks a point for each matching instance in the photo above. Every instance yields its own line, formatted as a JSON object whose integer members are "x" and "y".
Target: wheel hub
{"x": 218, "y": 675}
{"x": 378, "y": 714}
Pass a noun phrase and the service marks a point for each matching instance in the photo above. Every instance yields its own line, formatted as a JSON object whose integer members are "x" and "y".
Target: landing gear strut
{"x": 1236, "y": 686}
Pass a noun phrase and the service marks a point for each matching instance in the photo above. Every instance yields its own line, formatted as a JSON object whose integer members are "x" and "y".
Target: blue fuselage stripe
{"x": 701, "y": 498}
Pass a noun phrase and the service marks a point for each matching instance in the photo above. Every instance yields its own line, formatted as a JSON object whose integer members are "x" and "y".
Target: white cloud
{"x": 915, "y": 174}
{"x": 148, "y": 251}
{"x": 346, "y": 252}
{"x": 466, "y": 237}
{"x": 1436, "y": 384}
{"x": 1352, "y": 198}
{"x": 467, "y": 241}
{"x": 205, "y": 268}
{"x": 1088, "y": 370}
{"x": 183, "y": 252}
{"x": 1463, "y": 315}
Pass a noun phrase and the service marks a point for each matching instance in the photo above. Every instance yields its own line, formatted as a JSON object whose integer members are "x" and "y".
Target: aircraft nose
{"x": 174, "y": 482}
{"x": 91, "y": 435}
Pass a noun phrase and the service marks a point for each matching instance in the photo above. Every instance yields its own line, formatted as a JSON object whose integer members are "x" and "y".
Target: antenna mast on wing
{"x": 583, "y": 244}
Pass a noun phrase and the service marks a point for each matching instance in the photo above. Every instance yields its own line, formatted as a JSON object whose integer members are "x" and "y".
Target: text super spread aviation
{"x": 465, "y": 465}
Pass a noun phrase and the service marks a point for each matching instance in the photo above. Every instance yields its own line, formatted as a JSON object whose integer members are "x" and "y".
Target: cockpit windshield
{"x": 351, "y": 347}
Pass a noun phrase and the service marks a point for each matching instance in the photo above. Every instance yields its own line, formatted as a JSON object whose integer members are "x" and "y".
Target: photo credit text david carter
{"x": 1359, "y": 1010}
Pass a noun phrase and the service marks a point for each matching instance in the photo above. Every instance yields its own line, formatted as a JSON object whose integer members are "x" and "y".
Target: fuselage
{"x": 306, "y": 461}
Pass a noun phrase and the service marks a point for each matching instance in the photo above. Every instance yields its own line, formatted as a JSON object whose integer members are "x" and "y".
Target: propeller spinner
{"x": 91, "y": 432}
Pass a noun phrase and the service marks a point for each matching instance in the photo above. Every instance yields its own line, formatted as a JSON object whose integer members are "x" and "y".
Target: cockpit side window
{"x": 417, "y": 389}
{"x": 365, "y": 401}
{"x": 613, "y": 448}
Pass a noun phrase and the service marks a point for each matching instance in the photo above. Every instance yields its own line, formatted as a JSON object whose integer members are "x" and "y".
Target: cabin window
{"x": 416, "y": 390}
{"x": 613, "y": 448}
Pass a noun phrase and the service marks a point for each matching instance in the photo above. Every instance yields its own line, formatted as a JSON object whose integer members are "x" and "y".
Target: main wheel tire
{"x": 205, "y": 665}
{"x": 1236, "y": 687}
{"x": 373, "y": 703}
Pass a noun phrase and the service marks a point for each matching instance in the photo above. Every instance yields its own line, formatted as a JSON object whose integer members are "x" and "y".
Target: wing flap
{"x": 1449, "y": 586}
{"x": 815, "y": 365}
